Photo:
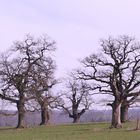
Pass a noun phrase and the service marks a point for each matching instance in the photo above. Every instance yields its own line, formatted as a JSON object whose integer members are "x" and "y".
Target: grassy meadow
{"x": 94, "y": 131}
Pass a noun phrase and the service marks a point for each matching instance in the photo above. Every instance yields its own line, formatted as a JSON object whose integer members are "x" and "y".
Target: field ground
{"x": 94, "y": 131}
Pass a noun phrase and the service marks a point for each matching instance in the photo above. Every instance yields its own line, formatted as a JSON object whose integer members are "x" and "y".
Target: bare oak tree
{"x": 42, "y": 81}
{"x": 116, "y": 71}
{"x": 76, "y": 100}
{"x": 16, "y": 68}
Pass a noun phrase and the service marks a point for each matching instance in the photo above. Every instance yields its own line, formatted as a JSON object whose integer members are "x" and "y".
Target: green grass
{"x": 95, "y": 131}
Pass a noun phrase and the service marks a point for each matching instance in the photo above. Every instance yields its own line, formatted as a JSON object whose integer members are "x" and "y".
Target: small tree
{"x": 76, "y": 100}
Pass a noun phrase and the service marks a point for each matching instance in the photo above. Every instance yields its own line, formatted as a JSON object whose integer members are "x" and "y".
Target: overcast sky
{"x": 76, "y": 25}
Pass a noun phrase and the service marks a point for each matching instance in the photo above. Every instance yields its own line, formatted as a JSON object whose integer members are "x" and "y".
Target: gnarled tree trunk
{"x": 76, "y": 119}
{"x": 44, "y": 114}
{"x": 116, "y": 113}
{"x": 124, "y": 113}
{"x": 21, "y": 114}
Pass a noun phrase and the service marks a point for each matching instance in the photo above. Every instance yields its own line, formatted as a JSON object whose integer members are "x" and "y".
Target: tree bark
{"x": 44, "y": 114}
{"x": 116, "y": 113}
{"x": 124, "y": 113}
{"x": 76, "y": 119}
{"x": 21, "y": 114}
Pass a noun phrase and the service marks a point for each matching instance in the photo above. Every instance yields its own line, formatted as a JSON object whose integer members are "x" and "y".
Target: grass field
{"x": 97, "y": 131}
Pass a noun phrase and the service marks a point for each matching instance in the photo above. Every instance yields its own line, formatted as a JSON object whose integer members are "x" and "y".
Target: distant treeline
{"x": 58, "y": 117}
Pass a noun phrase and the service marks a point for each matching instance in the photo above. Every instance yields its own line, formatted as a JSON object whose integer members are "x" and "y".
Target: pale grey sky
{"x": 76, "y": 25}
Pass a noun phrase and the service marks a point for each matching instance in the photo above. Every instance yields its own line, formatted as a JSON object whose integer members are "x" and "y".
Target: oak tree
{"x": 76, "y": 100}
{"x": 116, "y": 71}
{"x": 16, "y": 67}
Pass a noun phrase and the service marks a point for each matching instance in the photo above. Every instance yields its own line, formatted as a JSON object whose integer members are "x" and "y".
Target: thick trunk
{"x": 21, "y": 114}
{"x": 116, "y": 113}
{"x": 44, "y": 114}
{"x": 75, "y": 115}
{"x": 76, "y": 119}
{"x": 124, "y": 113}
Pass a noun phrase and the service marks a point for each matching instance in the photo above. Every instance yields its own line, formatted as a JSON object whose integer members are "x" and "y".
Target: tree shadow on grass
{"x": 7, "y": 128}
